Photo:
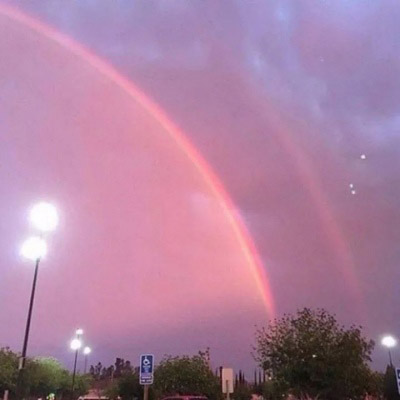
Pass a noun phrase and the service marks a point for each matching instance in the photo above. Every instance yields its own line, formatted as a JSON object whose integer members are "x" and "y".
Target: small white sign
{"x": 227, "y": 380}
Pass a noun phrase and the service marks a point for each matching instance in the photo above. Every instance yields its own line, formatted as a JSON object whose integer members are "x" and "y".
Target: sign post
{"x": 146, "y": 373}
{"x": 227, "y": 382}
{"x": 398, "y": 379}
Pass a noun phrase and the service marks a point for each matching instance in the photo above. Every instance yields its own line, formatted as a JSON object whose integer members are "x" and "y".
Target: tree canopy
{"x": 186, "y": 375}
{"x": 43, "y": 375}
{"x": 310, "y": 354}
{"x": 8, "y": 369}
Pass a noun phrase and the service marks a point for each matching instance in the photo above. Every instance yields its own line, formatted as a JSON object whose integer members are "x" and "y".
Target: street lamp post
{"x": 44, "y": 218}
{"x": 86, "y": 351}
{"x": 75, "y": 345}
{"x": 34, "y": 249}
{"x": 389, "y": 342}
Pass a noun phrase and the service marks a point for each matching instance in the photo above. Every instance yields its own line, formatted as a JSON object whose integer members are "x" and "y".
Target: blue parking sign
{"x": 146, "y": 369}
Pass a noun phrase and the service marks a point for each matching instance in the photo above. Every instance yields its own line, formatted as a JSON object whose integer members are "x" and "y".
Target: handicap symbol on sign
{"x": 146, "y": 362}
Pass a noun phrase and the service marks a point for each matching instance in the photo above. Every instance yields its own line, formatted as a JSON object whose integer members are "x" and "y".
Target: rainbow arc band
{"x": 235, "y": 220}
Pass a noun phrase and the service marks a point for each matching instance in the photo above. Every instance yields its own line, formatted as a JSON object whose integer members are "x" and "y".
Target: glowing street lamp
{"x": 44, "y": 217}
{"x": 34, "y": 248}
{"x": 75, "y": 345}
{"x": 86, "y": 351}
{"x": 389, "y": 342}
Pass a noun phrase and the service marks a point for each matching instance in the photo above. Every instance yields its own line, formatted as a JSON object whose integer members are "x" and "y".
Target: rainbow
{"x": 214, "y": 184}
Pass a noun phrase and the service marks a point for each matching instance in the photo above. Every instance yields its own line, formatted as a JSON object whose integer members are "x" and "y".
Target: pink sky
{"x": 280, "y": 99}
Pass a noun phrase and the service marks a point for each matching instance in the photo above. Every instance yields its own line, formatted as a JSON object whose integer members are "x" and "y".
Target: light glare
{"x": 388, "y": 341}
{"x": 87, "y": 350}
{"x": 34, "y": 248}
{"x": 44, "y": 216}
{"x": 79, "y": 331}
{"x": 75, "y": 344}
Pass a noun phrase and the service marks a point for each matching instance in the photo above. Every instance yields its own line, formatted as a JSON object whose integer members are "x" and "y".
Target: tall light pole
{"x": 75, "y": 345}
{"x": 86, "y": 351}
{"x": 389, "y": 342}
{"x": 43, "y": 217}
{"x": 33, "y": 249}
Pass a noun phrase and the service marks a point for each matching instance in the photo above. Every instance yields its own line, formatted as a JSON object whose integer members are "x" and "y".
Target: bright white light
{"x": 44, "y": 216}
{"x": 75, "y": 344}
{"x": 79, "y": 331}
{"x": 87, "y": 350}
{"x": 353, "y": 192}
{"x": 363, "y": 156}
{"x": 351, "y": 185}
{"x": 388, "y": 341}
{"x": 34, "y": 248}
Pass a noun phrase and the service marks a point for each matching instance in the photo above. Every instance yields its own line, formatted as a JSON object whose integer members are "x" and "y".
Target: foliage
{"x": 390, "y": 384}
{"x": 41, "y": 376}
{"x": 376, "y": 385}
{"x": 272, "y": 389}
{"x": 242, "y": 392}
{"x": 127, "y": 387}
{"x": 82, "y": 384}
{"x": 44, "y": 376}
{"x": 120, "y": 368}
{"x": 8, "y": 370}
{"x": 309, "y": 354}
{"x": 186, "y": 375}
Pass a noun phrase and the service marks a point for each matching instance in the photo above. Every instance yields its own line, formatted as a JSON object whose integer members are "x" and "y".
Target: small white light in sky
{"x": 351, "y": 185}
{"x": 79, "y": 331}
{"x": 353, "y": 192}
{"x": 87, "y": 350}
{"x": 363, "y": 156}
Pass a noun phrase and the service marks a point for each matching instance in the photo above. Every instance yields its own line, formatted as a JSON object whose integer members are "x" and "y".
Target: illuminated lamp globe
{"x": 34, "y": 248}
{"x": 75, "y": 344}
{"x": 87, "y": 350}
{"x": 388, "y": 341}
{"x": 44, "y": 217}
{"x": 79, "y": 332}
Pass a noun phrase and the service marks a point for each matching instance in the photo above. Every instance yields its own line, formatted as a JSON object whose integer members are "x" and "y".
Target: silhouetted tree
{"x": 390, "y": 384}
{"x": 310, "y": 354}
{"x": 186, "y": 375}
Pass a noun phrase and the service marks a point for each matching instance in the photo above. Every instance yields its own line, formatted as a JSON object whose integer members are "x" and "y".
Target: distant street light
{"x": 86, "y": 351}
{"x": 75, "y": 345}
{"x": 389, "y": 342}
